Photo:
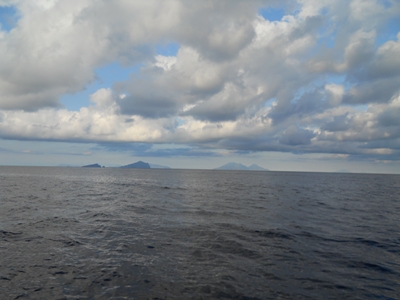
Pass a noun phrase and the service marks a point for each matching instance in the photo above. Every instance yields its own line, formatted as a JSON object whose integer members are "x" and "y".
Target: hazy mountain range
{"x": 145, "y": 165}
{"x": 237, "y": 166}
{"x": 136, "y": 165}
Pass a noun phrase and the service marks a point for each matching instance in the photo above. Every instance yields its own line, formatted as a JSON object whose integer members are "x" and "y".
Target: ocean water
{"x": 74, "y": 233}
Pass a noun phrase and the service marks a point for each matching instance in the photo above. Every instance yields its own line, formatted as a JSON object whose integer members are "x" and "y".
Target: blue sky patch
{"x": 8, "y": 17}
{"x": 336, "y": 79}
{"x": 170, "y": 49}
{"x": 105, "y": 78}
{"x": 179, "y": 121}
{"x": 389, "y": 32}
{"x": 269, "y": 102}
{"x": 386, "y": 3}
{"x": 272, "y": 14}
{"x": 327, "y": 34}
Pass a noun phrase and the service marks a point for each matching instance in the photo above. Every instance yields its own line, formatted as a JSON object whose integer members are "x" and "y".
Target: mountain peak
{"x": 137, "y": 165}
{"x": 255, "y": 167}
{"x": 238, "y": 166}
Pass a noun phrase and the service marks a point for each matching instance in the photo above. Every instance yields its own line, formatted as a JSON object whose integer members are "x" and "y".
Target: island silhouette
{"x": 144, "y": 165}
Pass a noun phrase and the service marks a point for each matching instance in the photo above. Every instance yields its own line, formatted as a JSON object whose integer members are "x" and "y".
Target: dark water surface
{"x": 73, "y": 233}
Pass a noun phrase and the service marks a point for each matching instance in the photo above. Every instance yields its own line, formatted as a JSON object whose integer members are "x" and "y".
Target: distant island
{"x": 144, "y": 165}
{"x": 237, "y": 166}
{"x": 137, "y": 165}
{"x": 92, "y": 166}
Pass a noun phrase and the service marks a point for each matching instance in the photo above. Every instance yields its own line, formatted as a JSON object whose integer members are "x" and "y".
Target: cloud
{"x": 389, "y": 117}
{"x": 339, "y": 123}
{"x": 319, "y": 80}
{"x": 295, "y": 136}
{"x": 123, "y": 147}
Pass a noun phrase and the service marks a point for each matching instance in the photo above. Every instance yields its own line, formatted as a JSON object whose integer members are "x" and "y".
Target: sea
{"x": 112, "y": 233}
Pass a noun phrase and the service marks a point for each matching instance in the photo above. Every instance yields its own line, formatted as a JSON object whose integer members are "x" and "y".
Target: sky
{"x": 289, "y": 85}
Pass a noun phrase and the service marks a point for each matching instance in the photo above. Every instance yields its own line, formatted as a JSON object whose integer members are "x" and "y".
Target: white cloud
{"x": 238, "y": 81}
{"x": 165, "y": 62}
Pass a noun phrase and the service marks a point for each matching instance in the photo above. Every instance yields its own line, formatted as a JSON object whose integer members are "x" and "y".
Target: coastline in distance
{"x": 136, "y": 165}
{"x": 92, "y": 166}
{"x": 238, "y": 167}
{"x": 145, "y": 165}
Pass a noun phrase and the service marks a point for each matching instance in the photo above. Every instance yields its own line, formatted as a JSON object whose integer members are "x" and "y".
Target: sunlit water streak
{"x": 73, "y": 233}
